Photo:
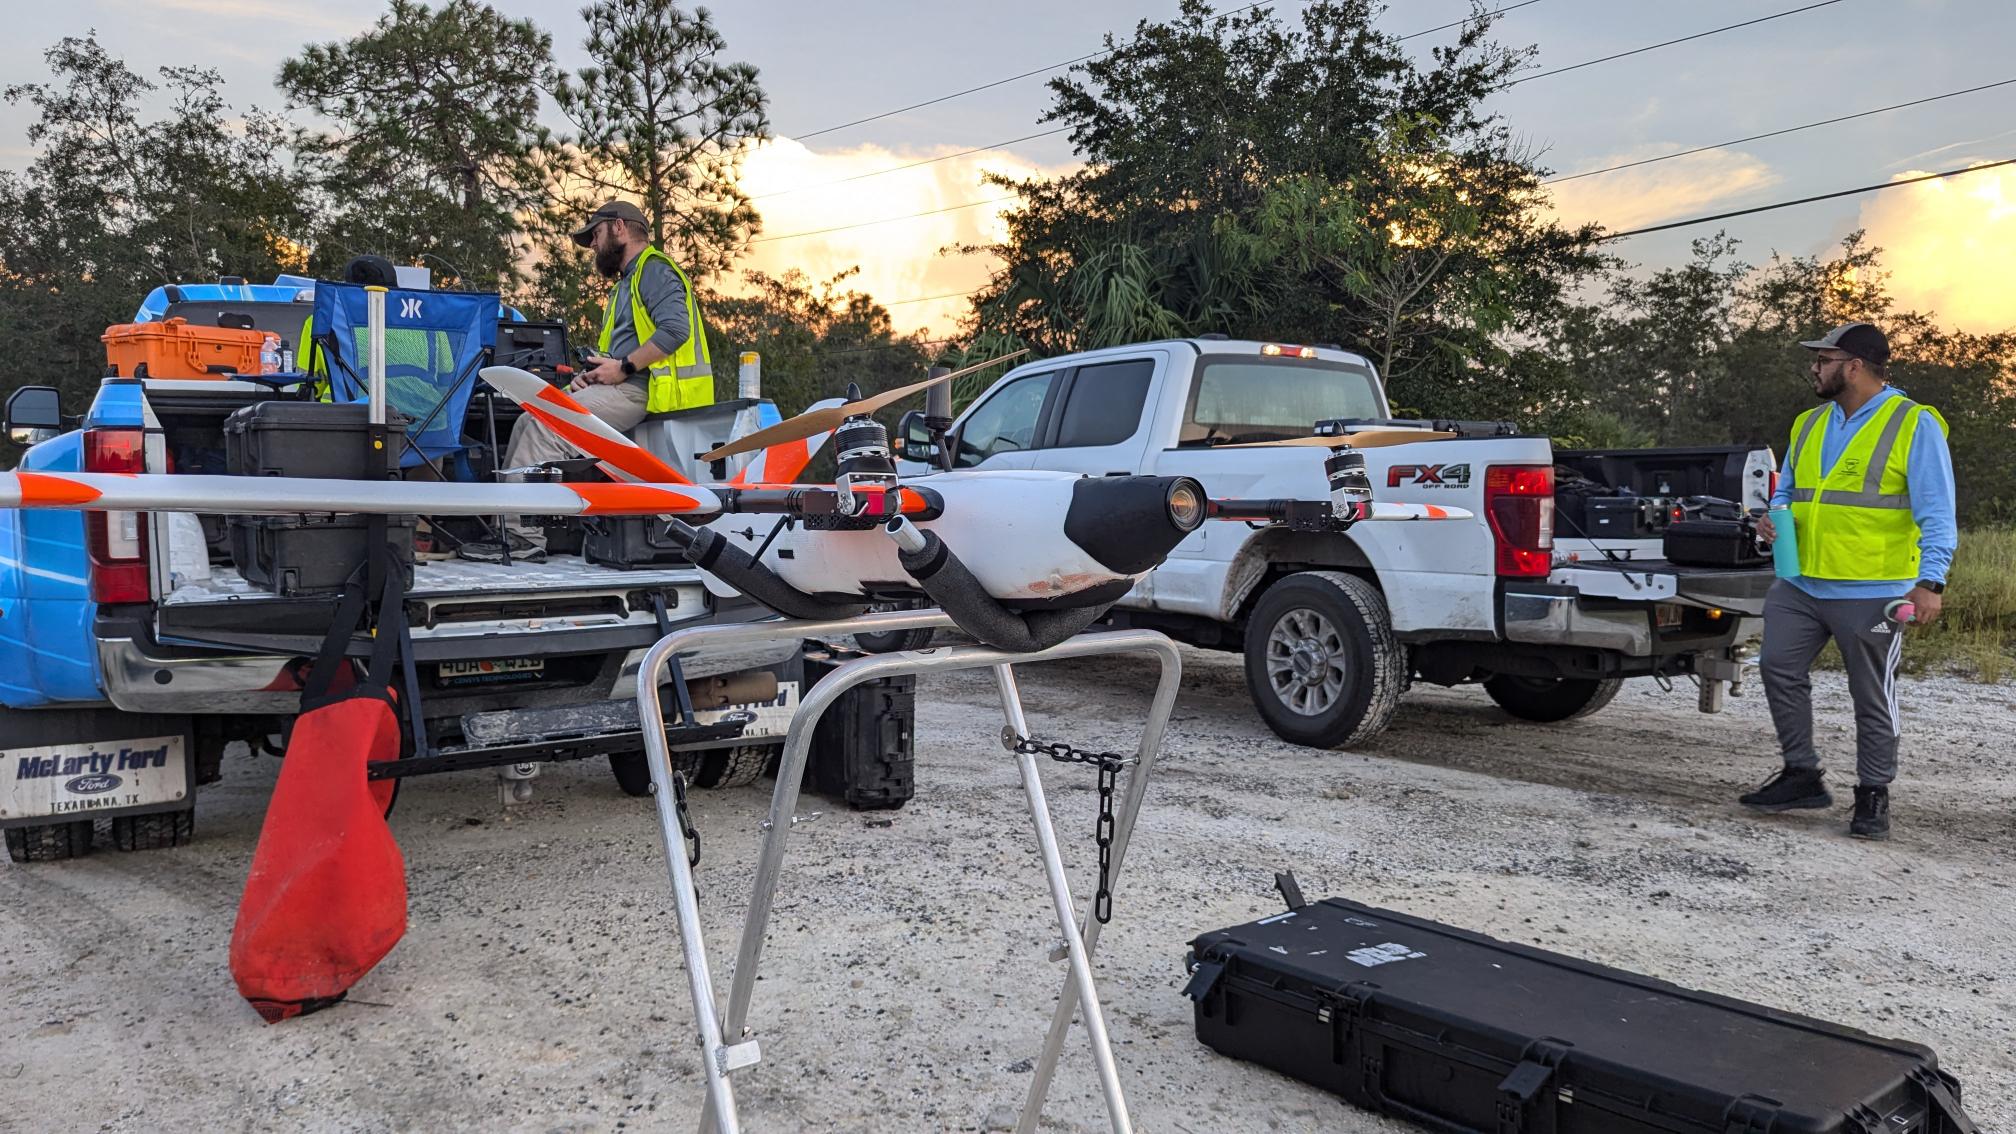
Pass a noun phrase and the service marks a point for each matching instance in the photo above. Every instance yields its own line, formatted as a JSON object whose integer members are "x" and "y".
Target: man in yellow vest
{"x": 1869, "y": 481}
{"x": 651, "y": 356}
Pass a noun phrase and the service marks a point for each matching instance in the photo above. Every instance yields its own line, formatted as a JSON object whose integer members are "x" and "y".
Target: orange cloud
{"x": 1651, "y": 194}
{"x": 899, "y": 259}
{"x": 1948, "y": 246}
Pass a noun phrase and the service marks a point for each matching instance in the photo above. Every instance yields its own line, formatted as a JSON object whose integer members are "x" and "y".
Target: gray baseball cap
{"x": 1862, "y": 340}
{"x": 614, "y": 210}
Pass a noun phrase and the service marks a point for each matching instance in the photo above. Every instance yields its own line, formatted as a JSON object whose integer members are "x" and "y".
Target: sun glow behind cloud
{"x": 1651, "y": 194}
{"x": 900, "y": 259}
{"x": 1948, "y": 246}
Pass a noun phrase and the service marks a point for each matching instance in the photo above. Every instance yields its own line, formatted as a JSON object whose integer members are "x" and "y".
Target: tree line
{"x": 1296, "y": 177}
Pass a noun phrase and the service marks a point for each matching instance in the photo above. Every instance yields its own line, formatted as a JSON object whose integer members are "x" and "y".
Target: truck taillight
{"x": 117, "y": 541}
{"x": 1519, "y": 503}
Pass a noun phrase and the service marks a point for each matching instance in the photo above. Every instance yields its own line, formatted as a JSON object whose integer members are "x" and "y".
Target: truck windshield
{"x": 1241, "y": 400}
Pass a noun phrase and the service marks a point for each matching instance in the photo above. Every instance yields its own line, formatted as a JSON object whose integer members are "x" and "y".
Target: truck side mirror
{"x": 913, "y": 438}
{"x": 34, "y": 414}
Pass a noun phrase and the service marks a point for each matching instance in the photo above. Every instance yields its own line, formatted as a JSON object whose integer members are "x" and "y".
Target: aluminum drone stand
{"x": 722, "y": 1055}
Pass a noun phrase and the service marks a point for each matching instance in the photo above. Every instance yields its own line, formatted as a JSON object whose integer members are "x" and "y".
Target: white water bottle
{"x": 269, "y": 354}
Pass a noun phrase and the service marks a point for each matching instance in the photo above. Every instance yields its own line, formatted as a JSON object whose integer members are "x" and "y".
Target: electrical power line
{"x": 1805, "y": 200}
{"x": 1775, "y": 133}
{"x": 934, "y": 298}
{"x": 886, "y": 220}
{"x": 1058, "y": 130}
{"x": 1670, "y": 42}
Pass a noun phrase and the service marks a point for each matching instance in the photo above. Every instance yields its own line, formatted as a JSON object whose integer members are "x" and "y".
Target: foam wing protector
{"x": 620, "y": 457}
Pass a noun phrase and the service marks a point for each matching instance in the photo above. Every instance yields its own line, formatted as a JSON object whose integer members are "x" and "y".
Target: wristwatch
{"x": 1935, "y": 588}
{"x": 629, "y": 368}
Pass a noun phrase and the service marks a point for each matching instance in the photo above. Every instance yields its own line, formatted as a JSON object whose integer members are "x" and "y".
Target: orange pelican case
{"x": 173, "y": 348}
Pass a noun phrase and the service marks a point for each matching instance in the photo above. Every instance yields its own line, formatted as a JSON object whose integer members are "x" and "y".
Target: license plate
{"x": 773, "y": 717}
{"x": 65, "y": 780}
{"x": 492, "y": 671}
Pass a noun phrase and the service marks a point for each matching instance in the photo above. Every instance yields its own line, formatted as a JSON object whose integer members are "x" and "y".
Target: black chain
{"x": 1109, "y": 765}
{"x": 685, "y": 820}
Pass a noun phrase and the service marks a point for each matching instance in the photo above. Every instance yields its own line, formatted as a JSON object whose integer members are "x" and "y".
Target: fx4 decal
{"x": 1429, "y": 476}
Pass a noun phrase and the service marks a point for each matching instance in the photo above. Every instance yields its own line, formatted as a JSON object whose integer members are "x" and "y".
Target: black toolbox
{"x": 1458, "y": 1032}
{"x": 1713, "y": 543}
{"x": 630, "y": 543}
{"x": 314, "y": 554}
{"x": 320, "y": 440}
{"x": 864, "y": 749}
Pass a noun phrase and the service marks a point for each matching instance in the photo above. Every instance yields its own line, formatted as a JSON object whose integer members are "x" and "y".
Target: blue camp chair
{"x": 434, "y": 344}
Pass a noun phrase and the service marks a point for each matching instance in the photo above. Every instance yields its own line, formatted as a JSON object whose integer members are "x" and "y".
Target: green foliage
{"x": 114, "y": 204}
{"x": 663, "y": 121}
{"x": 1307, "y": 185}
{"x": 814, "y": 339}
{"x": 437, "y": 124}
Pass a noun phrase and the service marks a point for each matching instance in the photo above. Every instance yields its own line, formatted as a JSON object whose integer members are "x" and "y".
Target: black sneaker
{"x": 490, "y": 551}
{"x": 1792, "y": 789}
{"x": 1872, "y": 813}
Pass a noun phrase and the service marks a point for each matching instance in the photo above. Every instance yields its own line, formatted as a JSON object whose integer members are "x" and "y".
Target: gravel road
{"x": 540, "y": 988}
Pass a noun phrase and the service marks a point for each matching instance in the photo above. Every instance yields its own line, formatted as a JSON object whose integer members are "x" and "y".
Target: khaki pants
{"x": 532, "y": 443}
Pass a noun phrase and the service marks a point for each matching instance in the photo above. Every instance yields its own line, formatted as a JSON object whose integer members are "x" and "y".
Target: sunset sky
{"x": 1949, "y": 243}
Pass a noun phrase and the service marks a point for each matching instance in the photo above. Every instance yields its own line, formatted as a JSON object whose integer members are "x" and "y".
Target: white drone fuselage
{"x": 1006, "y": 526}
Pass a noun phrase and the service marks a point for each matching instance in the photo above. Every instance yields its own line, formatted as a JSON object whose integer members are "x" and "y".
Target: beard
{"x": 609, "y": 260}
{"x": 1827, "y": 388}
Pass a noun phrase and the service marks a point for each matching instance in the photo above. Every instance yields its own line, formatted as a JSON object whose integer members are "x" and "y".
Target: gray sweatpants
{"x": 1796, "y": 625}
{"x": 532, "y": 443}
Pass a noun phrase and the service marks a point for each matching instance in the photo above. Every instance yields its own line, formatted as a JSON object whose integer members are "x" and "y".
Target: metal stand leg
{"x": 721, "y": 1038}
{"x": 1067, "y": 919}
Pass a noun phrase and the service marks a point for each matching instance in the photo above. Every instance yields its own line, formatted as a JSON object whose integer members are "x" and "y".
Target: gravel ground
{"x": 540, "y": 987}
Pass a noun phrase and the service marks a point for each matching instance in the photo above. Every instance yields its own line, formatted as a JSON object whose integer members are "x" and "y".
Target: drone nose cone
{"x": 1131, "y": 523}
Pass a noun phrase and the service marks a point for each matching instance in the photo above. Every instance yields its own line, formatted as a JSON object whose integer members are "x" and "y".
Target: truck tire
{"x": 51, "y": 842}
{"x": 893, "y": 641}
{"x": 633, "y": 775}
{"x": 1322, "y": 663}
{"x": 733, "y": 767}
{"x": 157, "y": 831}
{"x": 1550, "y": 699}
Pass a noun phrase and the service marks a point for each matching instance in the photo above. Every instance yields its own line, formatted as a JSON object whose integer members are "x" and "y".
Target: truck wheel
{"x": 48, "y": 843}
{"x": 733, "y": 767}
{"x": 158, "y": 831}
{"x": 893, "y": 641}
{"x": 1321, "y": 660}
{"x": 1549, "y": 699}
{"x": 633, "y": 775}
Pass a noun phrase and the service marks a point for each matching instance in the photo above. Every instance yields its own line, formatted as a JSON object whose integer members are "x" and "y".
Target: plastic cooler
{"x": 174, "y": 348}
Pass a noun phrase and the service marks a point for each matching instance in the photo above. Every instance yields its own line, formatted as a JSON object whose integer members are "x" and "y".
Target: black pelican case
{"x": 1457, "y": 1032}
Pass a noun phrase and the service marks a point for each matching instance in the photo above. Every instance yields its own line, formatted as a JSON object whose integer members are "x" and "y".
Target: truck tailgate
{"x": 1739, "y": 589}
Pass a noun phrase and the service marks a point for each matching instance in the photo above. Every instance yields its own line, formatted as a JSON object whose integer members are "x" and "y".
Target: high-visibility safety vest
{"x": 1855, "y": 522}
{"x": 686, "y": 379}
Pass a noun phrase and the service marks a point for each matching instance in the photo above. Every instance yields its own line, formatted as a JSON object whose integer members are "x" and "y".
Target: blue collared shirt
{"x": 1928, "y": 472}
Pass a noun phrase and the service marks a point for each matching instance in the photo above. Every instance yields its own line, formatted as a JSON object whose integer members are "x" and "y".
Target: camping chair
{"x": 434, "y": 345}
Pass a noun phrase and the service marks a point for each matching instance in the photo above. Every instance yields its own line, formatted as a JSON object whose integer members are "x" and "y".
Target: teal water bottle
{"x": 1784, "y": 549}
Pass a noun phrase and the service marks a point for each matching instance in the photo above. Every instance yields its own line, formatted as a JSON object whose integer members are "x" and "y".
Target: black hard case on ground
{"x": 629, "y": 543}
{"x": 1458, "y": 1032}
{"x": 311, "y": 555}
{"x": 320, "y": 440}
{"x": 1713, "y": 543}
{"x": 864, "y": 748}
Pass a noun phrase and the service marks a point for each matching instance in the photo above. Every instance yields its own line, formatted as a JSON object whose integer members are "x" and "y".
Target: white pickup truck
{"x": 1336, "y": 626}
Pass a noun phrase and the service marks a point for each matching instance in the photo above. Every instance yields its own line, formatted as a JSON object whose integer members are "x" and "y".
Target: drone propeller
{"x": 816, "y": 421}
{"x": 1367, "y": 439}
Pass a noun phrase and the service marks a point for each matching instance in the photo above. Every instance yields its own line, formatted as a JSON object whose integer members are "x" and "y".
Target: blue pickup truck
{"x": 133, "y": 652}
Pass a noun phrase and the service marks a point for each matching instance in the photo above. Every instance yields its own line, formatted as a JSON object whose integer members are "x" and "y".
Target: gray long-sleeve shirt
{"x": 664, "y": 297}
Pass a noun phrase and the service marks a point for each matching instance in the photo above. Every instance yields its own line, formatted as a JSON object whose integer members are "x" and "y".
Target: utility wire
{"x": 1805, "y": 200}
{"x": 1775, "y": 133}
{"x": 1670, "y": 42}
{"x": 1045, "y": 133}
{"x": 886, "y": 220}
{"x": 934, "y": 298}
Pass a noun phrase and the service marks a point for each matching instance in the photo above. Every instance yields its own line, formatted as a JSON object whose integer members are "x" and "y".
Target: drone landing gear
{"x": 726, "y": 1043}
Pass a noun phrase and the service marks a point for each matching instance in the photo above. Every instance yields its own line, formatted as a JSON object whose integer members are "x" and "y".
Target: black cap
{"x": 1862, "y": 340}
{"x": 614, "y": 210}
